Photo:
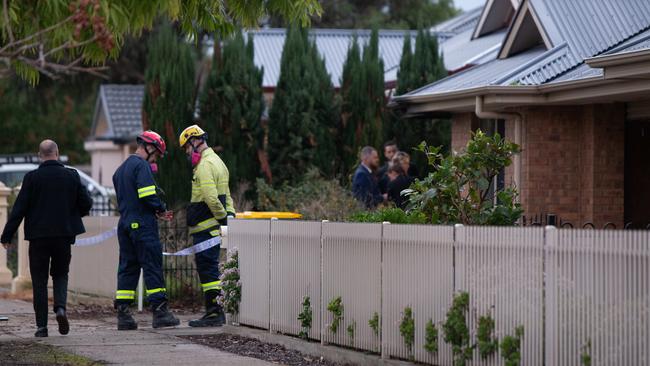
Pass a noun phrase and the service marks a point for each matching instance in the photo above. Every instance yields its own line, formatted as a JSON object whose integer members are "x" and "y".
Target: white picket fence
{"x": 577, "y": 293}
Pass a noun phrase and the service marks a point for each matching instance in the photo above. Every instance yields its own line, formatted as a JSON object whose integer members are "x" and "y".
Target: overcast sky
{"x": 468, "y": 4}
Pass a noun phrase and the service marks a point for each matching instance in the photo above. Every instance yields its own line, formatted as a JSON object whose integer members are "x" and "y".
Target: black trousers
{"x": 49, "y": 255}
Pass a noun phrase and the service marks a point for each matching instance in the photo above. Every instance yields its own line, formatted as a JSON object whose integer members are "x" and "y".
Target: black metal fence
{"x": 554, "y": 220}
{"x": 181, "y": 278}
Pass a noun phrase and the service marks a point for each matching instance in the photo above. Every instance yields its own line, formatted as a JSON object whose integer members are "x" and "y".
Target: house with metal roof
{"x": 570, "y": 83}
{"x": 116, "y": 123}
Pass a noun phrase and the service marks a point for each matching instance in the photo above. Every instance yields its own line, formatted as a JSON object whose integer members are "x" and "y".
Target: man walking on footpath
{"x": 364, "y": 183}
{"x": 209, "y": 208}
{"x": 52, "y": 201}
{"x": 137, "y": 233}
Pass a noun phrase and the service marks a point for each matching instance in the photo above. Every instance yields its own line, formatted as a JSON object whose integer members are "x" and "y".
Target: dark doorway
{"x": 637, "y": 173}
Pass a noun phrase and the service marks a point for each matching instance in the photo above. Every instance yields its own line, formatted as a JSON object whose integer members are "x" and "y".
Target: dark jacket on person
{"x": 395, "y": 189}
{"x": 364, "y": 188}
{"x": 52, "y": 201}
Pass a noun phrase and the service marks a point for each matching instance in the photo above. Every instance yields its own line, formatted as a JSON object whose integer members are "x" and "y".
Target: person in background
{"x": 364, "y": 183}
{"x": 52, "y": 200}
{"x": 390, "y": 149}
{"x": 398, "y": 181}
{"x": 403, "y": 160}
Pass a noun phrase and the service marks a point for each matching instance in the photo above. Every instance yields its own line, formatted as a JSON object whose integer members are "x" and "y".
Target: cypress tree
{"x": 418, "y": 69}
{"x": 231, "y": 108}
{"x": 169, "y": 107}
{"x": 303, "y": 117}
{"x": 362, "y": 89}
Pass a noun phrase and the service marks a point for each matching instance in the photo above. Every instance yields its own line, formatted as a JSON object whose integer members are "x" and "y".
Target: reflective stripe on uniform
{"x": 146, "y": 191}
{"x": 204, "y": 225}
{"x": 216, "y": 285}
{"x": 155, "y": 291}
{"x": 215, "y": 232}
{"x": 125, "y": 294}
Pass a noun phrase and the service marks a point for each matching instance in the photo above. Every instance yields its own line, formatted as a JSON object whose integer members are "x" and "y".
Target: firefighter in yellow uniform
{"x": 209, "y": 208}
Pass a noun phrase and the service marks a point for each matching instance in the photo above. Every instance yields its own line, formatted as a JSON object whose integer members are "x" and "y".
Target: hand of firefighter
{"x": 165, "y": 215}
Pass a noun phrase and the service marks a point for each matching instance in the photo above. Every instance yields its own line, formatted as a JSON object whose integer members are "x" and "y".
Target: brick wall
{"x": 572, "y": 161}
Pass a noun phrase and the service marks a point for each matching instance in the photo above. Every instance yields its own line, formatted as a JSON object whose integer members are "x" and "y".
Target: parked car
{"x": 12, "y": 174}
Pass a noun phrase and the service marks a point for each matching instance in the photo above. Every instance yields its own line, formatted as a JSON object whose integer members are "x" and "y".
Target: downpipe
{"x": 518, "y": 118}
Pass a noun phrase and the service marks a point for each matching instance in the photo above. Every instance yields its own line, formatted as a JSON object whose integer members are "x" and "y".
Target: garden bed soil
{"x": 254, "y": 348}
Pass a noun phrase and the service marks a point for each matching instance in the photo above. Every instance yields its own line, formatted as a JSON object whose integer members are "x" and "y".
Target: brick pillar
{"x": 5, "y": 273}
{"x": 24, "y": 279}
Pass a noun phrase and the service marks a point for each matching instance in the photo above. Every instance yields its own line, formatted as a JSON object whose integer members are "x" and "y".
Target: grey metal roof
{"x": 460, "y": 23}
{"x": 461, "y": 50}
{"x": 122, "y": 105}
{"x": 332, "y": 44}
{"x": 578, "y": 29}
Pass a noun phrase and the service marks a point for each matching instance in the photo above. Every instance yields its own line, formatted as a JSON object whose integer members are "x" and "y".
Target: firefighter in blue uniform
{"x": 140, "y": 207}
{"x": 210, "y": 205}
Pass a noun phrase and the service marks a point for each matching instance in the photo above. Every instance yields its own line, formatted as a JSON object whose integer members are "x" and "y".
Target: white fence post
{"x": 5, "y": 273}
{"x": 24, "y": 279}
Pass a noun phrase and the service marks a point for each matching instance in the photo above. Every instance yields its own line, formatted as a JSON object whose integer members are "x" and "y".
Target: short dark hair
{"x": 366, "y": 151}
{"x": 390, "y": 143}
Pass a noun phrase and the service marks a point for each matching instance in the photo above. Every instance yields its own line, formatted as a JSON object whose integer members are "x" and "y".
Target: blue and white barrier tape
{"x": 197, "y": 248}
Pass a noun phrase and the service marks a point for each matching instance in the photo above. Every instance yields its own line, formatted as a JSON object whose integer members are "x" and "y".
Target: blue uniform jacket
{"x": 137, "y": 197}
{"x": 365, "y": 189}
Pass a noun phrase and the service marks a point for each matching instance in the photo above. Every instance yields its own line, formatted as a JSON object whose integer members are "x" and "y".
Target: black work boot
{"x": 214, "y": 316}
{"x": 125, "y": 320}
{"x": 62, "y": 319}
{"x": 162, "y": 317}
{"x": 41, "y": 332}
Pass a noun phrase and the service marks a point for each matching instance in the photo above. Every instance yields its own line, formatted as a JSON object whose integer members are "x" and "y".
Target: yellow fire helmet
{"x": 189, "y": 132}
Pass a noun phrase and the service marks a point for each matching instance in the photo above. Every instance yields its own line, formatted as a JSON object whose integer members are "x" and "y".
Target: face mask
{"x": 195, "y": 158}
{"x": 154, "y": 167}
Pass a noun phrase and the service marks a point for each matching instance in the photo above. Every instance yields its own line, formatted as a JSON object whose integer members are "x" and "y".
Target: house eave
{"x": 591, "y": 90}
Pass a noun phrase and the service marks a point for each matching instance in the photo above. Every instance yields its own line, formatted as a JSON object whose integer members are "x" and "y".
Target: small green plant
{"x": 585, "y": 354}
{"x": 511, "y": 347}
{"x": 336, "y": 308}
{"x": 374, "y": 323}
{"x": 230, "y": 284}
{"x": 407, "y": 328}
{"x": 455, "y": 329}
{"x": 394, "y": 215}
{"x": 486, "y": 342}
{"x": 431, "y": 337}
{"x": 350, "y": 330}
{"x": 305, "y": 318}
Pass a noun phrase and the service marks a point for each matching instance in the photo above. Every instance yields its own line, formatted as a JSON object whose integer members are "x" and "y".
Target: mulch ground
{"x": 257, "y": 349}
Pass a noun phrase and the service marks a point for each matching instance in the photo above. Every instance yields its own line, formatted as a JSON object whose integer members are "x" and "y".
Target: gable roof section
{"x": 332, "y": 44}
{"x": 461, "y": 50}
{"x": 460, "y": 23}
{"x": 525, "y": 32}
{"x": 496, "y": 14}
{"x": 577, "y": 29}
{"x": 122, "y": 107}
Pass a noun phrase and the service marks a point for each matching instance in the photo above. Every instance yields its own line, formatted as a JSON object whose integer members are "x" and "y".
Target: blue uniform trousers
{"x": 140, "y": 248}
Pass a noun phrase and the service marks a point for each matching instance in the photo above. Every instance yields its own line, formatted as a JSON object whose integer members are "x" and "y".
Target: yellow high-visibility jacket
{"x": 210, "y": 185}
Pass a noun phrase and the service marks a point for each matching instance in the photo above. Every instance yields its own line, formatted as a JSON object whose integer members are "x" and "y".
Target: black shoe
{"x": 125, "y": 320}
{"x": 209, "y": 320}
{"x": 41, "y": 332}
{"x": 62, "y": 319}
{"x": 162, "y": 317}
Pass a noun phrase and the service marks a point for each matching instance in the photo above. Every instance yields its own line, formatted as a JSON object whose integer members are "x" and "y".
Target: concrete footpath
{"x": 97, "y": 339}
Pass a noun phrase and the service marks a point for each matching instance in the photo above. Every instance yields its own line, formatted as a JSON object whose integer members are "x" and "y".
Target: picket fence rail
{"x": 577, "y": 293}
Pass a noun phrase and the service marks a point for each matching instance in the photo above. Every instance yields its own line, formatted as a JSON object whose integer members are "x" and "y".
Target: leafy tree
{"x": 231, "y": 108}
{"x": 61, "y": 111}
{"x": 460, "y": 189}
{"x": 418, "y": 69}
{"x": 169, "y": 107}
{"x": 304, "y": 115}
{"x": 395, "y": 14}
{"x": 363, "y": 101}
{"x": 57, "y": 37}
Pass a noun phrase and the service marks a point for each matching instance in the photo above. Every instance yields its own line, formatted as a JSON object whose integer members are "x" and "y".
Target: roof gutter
{"x": 517, "y": 118}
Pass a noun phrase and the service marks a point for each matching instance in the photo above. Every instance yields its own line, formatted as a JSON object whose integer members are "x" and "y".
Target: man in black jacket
{"x": 52, "y": 201}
